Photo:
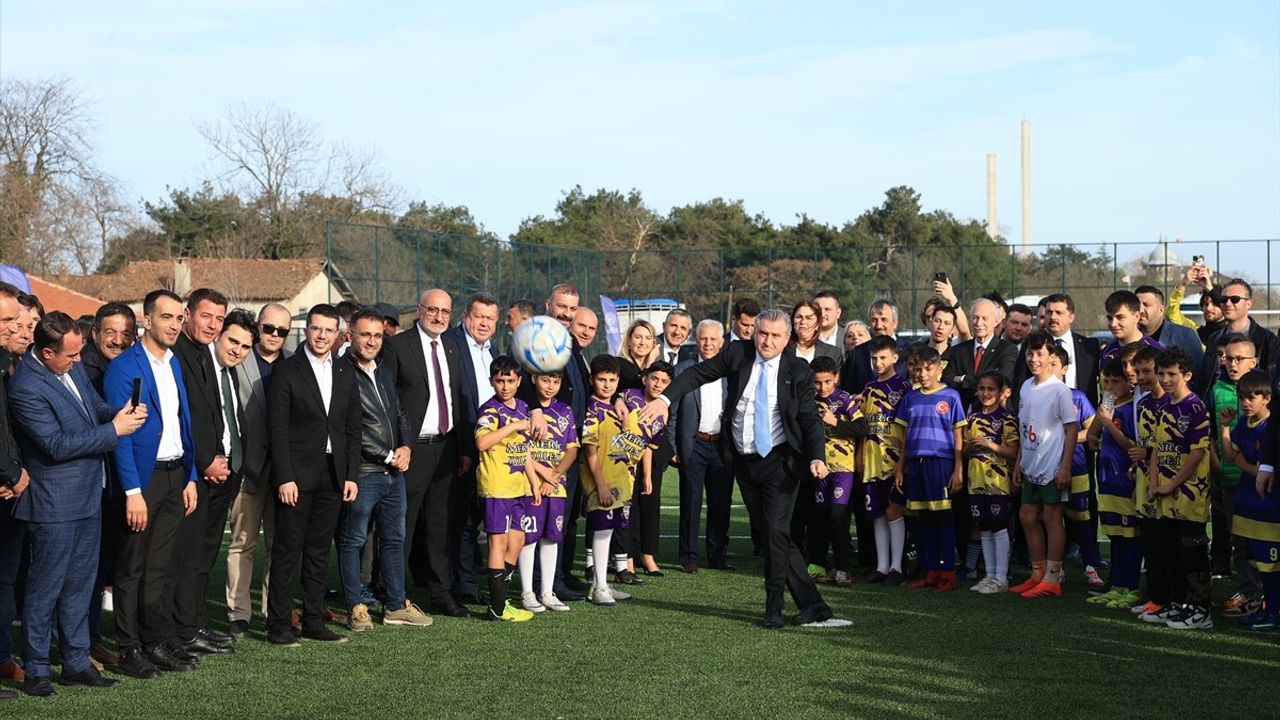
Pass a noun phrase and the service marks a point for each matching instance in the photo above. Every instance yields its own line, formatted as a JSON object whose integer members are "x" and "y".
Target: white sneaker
{"x": 619, "y": 594}
{"x": 1191, "y": 618}
{"x": 551, "y": 602}
{"x": 530, "y": 602}
{"x": 602, "y": 597}
{"x": 1159, "y": 617}
{"x": 981, "y": 585}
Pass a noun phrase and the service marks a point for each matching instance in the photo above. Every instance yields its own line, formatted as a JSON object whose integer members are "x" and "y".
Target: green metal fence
{"x": 383, "y": 264}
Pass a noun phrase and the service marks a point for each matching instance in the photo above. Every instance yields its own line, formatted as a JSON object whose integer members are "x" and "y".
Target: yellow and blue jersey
{"x": 1117, "y": 506}
{"x": 562, "y": 436}
{"x": 1146, "y": 416}
{"x": 988, "y": 473}
{"x": 1183, "y": 426}
{"x": 620, "y": 447}
{"x": 883, "y": 445}
{"x": 840, "y": 451}
{"x": 501, "y": 472}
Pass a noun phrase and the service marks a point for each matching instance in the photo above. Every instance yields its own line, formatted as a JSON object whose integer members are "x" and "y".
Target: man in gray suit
{"x": 253, "y": 507}
{"x": 694, "y": 436}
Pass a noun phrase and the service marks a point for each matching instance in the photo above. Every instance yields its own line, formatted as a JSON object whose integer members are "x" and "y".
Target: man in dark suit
{"x": 313, "y": 418}
{"x": 695, "y": 439}
{"x": 882, "y": 319}
{"x": 472, "y": 339}
{"x": 675, "y": 331}
{"x": 775, "y": 435}
{"x": 65, "y": 430}
{"x": 13, "y": 482}
{"x": 202, "y": 324}
{"x": 155, "y": 473}
{"x": 1169, "y": 334}
{"x": 742, "y": 320}
{"x": 968, "y": 360}
{"x": 1082, "y": 373}
{"x": 428, "y": 377}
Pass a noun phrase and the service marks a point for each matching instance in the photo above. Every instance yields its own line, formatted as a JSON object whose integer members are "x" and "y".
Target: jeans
{"x": 382, "y": 500}
{"x": 11, "y": 540}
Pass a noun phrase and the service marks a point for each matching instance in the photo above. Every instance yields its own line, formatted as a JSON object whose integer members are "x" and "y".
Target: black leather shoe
{"x": 451, "y": 609}
{"x": 816, "y": 612}
{"x": 722, "y": 565}
{"x": 37, "y": 686}
{"x": 473, "y": 599}
{"x": 324, "y": 634}
{"x": 566, "y": 595}
{"x": 164, "y": 660}
{"x": 239, "y": 628}
{"x": 134, "y": 664}
{"x": 177, "y": 650}
{"x": 201, "y": 646}
{"x": 215, "y": 637}
{"x": 89, "y": 677}
{"x": 626, "y": 577}
{"x": 576, "y": 584}
{"x": 690, "y": 568}
{"x": 283, "y": 638}
{"x": 773, "y": 621}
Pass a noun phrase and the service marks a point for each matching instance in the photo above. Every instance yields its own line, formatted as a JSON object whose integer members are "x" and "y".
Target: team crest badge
{"x": 1184, "y": 423}
{"x": 894, "y": 397}
{"x": 563, "y": 422}
{"x": 838, "y": 492}
{"x": 942, "y": 407}
{"x": 560, "y": 523}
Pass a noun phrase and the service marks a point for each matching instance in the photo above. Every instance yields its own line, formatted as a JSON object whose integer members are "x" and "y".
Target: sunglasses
{"x": 1233, "y": 299}
{"x": 280, "y": 332}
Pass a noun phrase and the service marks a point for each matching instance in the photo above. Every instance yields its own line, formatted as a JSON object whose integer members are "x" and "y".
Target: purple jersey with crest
{"x": 562, "y": 435}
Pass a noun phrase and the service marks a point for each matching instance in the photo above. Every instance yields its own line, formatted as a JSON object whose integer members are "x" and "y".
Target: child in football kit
{"x": 880, "y": 452}
{"x": 644, "y": 520}
{"x": 1112, "y": 435}
{"x": 1257, "y": 502}
{"x": 930, "y": 468}
{"x": 843, "y": 423}
{"x": 506, "y": 481}
{"x": 551, "y": 459}
{"x": 1148, "y": 404}
{"x": 1080, "y": 521}
{"x": 991, "y": 444}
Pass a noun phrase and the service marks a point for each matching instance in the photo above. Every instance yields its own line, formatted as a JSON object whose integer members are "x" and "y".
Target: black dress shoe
{"x": 773, "y": 621}
{"x": 691, "y": 568}
{"x": 239, "y": 628}
{"x": 816, "y": 612}
{"x": 721, "y": 565}
{"x": 566, "y": 595}
{"x": 473, "y": 599}
{"x": 37, "y": 686}
{"x": 215, "y": 637}
{"x": 283, "y": 638}
{"x": 626, "y": 577}
{"x": 134, "y": 664}
{"x": 89, "y": 677}
{"x": 166, "y": 661}
{"x": 576, "y": 584}
{"x": 180, "y": 652}
{"x": 8, "y": 695}
{"x": 654, "y": 573}
{"x": 451, "y": 609}
{"x": 324, "y": 634}
{"x": 201, "y": 646}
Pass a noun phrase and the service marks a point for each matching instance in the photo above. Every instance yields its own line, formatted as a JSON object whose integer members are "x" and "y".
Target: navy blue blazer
{"x": 136, "y": 455}
{"x": 457, "y": 335}
{"x": 686, "y": 414}
{"x": 64, "y": 443}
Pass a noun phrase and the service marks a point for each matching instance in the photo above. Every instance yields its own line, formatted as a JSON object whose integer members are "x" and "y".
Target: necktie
{"x": 442, "y": 399}
{"x": 763, "y": 425}
{"x": 71, "y": 386}
{"x": 671, "y": 358}
{"x": 977, "y": 358}
{"x": 236, "y": 451}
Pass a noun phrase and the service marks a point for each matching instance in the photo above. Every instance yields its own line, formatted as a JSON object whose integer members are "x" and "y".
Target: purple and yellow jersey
{"x": 654, "y": 432}
{"x": 930, "y": 419}
{"x": 1256, "y": 517}
{"x": 501, "y": 472}
{"x": 1146, "y": 415}
{"x": 1084, "y": 418}
{"x": 619, "y": 450}
{"x": 1116, "y": 501}
{"x": 563, "y": 435}
{"x": 988, "y": 473}
{"x": 840, "y": 451}
{"x": 1184, "y": 426}
{"x": 883, "y": 444}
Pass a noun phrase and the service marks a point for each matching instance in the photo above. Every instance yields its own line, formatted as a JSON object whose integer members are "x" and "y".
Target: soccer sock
{"x": 1119, "y": 566}
{"x": 600, "y": 544}
{"x": 1053, "y": 572}
{"x": 1037, "y": 570}
{"x": 881, "y": 527}
{"x": 510, "y": 572}
{"x": 1133, "y": 563}
{"x": 970, "y": 553}
{"x": 526, "y": 568}
{"x": 497, "y": 591}
{"x": 1001, "y": 540}
{"x": 548, "y": 555}
{"x": 1086, "y": 537}
{"x": 1271, "y": 592}
{"x": 946, "y": 539}
{"x": 897, "y": 543}
{"x": 620, "y": 562}
{"x": 989, "y": 552}
{"x": 927, "y": 545}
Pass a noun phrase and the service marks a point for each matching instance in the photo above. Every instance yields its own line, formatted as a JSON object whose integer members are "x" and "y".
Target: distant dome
{"x": 1162, "y": 256}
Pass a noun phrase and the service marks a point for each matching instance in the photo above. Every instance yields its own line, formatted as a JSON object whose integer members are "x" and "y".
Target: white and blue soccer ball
{"x": 541, "y": 345}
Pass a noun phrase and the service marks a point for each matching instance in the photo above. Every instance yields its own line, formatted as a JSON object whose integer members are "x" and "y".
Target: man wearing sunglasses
{"x": 253, "y": 504}
{"x": 1237, "y": 302}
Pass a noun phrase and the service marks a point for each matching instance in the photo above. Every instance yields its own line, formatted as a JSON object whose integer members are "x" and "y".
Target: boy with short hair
{"x": 551, "y": 459}
{"x": 1257, "y": 503}
{"x": 506, "y": 481}
{"x": 930, "y": 467}
{"x": 991, "y": 443}
{"x": 879, "y": 456}
{"x": 1148, "y": 404}
{"x": 843, "y": 423}
{"x": 1179, "y": 485}
{"x": 1048, "y": 431}
{"x": 1081, "y": 522}
{"x": 1112, "y": 435}
{"x": 644, "y": 522}
{"x": 1123, "y": 309}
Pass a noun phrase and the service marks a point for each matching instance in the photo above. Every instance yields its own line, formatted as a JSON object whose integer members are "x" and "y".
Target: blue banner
{"x": 612, "y": 331}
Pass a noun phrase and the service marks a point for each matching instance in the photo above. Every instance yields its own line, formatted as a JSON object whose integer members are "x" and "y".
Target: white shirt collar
{"x": 311, "y": 357}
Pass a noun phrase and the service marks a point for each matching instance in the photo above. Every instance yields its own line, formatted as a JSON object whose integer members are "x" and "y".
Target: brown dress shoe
{"x": 12, "y": 671}
{"x": 102, "y": 656}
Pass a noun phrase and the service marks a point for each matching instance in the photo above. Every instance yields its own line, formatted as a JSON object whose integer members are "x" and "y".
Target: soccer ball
{"x": 541, "y": 345}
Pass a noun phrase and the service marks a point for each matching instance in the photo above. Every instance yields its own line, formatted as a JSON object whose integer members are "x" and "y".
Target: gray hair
{"x": 980, "y": 301}
{"x": 881, "y": 304}
{"x": 677, "y": 312}
{"x": 708, "y": 323}
{"x": 853, "y": 324}
{"x": 774, "y": 315}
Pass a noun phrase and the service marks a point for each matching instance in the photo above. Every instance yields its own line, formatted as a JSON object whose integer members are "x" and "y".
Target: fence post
{"x": 328, "y": 251}
{"x": 377, "y": 264}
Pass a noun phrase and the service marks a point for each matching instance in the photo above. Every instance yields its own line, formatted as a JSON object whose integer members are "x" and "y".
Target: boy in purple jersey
{"x": 931, "y": 466}
{"x": 506, "y": 480}
{"x": 878, "y": 458}
{"x": 1081, "y": 522}
{"x": 1148, "y": 404}
{"x": 1112, "y": 435}
{"x": 842, "y": 421}
{"x": 647, "y": 493}
{"x": 1257, "y": 502}
{"x": 551, "y": 460}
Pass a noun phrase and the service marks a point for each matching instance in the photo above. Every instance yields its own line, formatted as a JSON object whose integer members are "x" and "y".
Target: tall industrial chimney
{"x": 993, "y": 227}
{"x": 1026, "y": 188}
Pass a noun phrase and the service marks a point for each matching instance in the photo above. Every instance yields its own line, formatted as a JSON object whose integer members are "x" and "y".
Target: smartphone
{"x": 1197, "y": 261}
{"x": 137, "y": 393}
{"x": 940, "y": 277}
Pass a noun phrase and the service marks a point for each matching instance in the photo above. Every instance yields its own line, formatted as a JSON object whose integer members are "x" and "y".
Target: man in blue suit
{"x": 156, "y": 471}
{"x": 64, "y": 429}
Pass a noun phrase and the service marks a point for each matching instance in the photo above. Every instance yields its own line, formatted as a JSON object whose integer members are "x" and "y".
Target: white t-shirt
{"x": 1043, "y": 410}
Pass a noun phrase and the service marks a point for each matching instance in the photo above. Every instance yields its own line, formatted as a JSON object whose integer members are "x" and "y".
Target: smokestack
{"x": 1026, "y": 188}
{"x": 993, "y": 228}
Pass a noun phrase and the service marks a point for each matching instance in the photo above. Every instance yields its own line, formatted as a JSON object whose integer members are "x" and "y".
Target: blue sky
{"x": 1148, "y": 118}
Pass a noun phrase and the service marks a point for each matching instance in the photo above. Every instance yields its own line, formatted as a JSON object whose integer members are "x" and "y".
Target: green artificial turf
{"x": 692, "y": 646}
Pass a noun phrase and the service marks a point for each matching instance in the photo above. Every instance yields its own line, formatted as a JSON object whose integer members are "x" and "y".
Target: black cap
{"x": 388, "y": 312}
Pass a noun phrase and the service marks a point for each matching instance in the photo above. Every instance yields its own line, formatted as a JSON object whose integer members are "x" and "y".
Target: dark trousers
{"x": 12, "y": 534}
{"x": 569, "y": 545}
{"x": 304, "y": 534}
{"x": 428, "y": 484}
{"x": 646, "y": 510}
{"x": 145, "y": 567}
{"x": 829, "y": 527}
{"x": 863, "y": 525}
{"x": 200, "y": 538}
{"x": 704, "y": 471}
{"x": 802, "y": 514}
{"x": 770, "y": 496}
{"x": 64, "y": 564}
{"x": 1177, "y": 561}
{"x": 108, "y": 548}
{"x": 466, "y": 514}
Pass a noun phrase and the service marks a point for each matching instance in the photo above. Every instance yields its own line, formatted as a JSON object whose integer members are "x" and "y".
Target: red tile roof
{"x": 57, "y": 297}
{"x": 240, "y": 279}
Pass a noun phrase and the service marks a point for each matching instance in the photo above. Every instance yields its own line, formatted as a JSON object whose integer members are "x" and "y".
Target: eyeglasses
{"x": 280, "y": 332}
{"x": 1234, "y": 359}
{"x": 431, "y": 310}
{"x": 1233, "y": 299}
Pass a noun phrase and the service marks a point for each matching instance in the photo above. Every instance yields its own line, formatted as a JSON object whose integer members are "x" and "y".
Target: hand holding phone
{"x": 137, "y": 394}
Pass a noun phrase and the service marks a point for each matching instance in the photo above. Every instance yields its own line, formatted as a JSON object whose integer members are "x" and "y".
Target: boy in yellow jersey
{"x": 544, "y": 527}
{"x": 1112, "y": 436}
{"x": 991, "y": 446}
{"x": 842, "y": 421}
{"x": 506, "y": 481}
{"x": 1150, "y": 399}
{"x": 879, "y": 457}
